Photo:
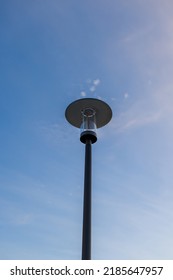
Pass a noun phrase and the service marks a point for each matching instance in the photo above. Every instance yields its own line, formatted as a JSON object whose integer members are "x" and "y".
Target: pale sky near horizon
{"x": 52, "y": 53}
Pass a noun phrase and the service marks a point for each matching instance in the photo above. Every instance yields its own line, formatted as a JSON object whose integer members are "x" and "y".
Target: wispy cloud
{"x": 151, "y": 108}
{"x": 93, "y": 84}
{"x": 126, "y": 95}
{"x": 96, "y": 82}
{"x": 125, "y": 123}
{"x": 89, "y": 87}
{"x": 135, "y": 116}
{"x": 55, "y": 133}
{"x": 83, "y": 93}
{"x": 142, "y": 215}
{"x": 92, "y": 88}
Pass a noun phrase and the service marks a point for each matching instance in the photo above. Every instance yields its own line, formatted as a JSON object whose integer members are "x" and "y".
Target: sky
{"x": 52, "y": 53}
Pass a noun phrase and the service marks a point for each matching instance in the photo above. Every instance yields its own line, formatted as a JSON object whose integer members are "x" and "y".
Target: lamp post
{"x": 88, "y": 114}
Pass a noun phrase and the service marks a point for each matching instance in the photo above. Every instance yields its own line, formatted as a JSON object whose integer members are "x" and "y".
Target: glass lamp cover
{"x": 88, "y": 120}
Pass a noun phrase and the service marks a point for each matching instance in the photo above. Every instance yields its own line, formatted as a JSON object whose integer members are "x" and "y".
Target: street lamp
{"x": 88, "y": 114}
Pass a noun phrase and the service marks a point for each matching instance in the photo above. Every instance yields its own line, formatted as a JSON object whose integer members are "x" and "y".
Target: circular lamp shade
{"x": 103, "y": 112}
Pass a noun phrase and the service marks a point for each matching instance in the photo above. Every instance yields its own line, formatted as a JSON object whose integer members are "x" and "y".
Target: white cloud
{"x": 93, "y": 84}
{"x": 83, "y": 93}
{"x": 96, "y": 82}
{"x": 92, "y": 89}
{"x": 126, "y": 95}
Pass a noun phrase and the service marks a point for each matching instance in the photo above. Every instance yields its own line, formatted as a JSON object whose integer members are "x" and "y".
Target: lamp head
{"x": 88, "y": 114}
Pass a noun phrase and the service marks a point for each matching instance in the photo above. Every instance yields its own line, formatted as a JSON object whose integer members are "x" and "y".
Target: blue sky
{"x": 52, "y": 53}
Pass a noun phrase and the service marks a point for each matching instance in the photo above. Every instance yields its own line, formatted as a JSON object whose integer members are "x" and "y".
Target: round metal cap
{"x": 103, "y": 114}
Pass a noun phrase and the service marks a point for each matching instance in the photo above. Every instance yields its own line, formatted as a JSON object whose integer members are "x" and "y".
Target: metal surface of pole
{"x": 88, "y": 114}
{"x": 86, "y": 236}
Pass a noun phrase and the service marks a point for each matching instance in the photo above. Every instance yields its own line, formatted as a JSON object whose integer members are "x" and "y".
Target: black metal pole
{"x": 86, "y": 237}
